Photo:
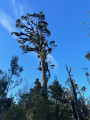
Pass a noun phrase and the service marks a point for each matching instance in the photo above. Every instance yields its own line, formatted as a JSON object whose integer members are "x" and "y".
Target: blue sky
{"x": 65, "y": 19}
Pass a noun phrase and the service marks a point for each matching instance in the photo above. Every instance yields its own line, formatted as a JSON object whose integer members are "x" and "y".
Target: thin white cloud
{"x": 15, "y": 8}
{"x": 6, "y": 21}
{"x": 52, "y": 60}
{"x": 6, "y": 24}
{"x": 21, "y": 7}
{"x": 33, "y": 54}
{"x": 18, "y": 8}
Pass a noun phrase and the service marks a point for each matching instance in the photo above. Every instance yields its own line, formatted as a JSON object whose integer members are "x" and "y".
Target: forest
{"x": 42, "y": 101}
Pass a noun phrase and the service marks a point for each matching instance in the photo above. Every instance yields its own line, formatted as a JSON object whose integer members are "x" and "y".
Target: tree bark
{"x": 43, "y": 75}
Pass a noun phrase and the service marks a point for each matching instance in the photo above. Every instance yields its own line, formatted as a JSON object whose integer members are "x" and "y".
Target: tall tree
{"x": 4, "y": 84}
{"x": 7, "y": 82}
{"x": 37, "y": 108}
{"x": 60, "y": 107}
{"x": 33, "y": 37}
{"x": 79, "y": 108}
{"x": 73, "y": 94}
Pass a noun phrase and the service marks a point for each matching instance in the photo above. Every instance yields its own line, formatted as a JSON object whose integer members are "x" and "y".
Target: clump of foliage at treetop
{"x": 42, "y": 102}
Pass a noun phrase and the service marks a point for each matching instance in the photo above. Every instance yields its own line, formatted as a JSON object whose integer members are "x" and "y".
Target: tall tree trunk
{"x": 74, "y": 110}
{"x": 43, "y": 75}
{"x": 78, "y": 111}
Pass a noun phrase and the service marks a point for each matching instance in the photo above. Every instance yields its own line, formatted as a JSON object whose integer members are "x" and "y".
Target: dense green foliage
{"x": 7, "y": 82}
{"x": 34, "y": 106}
{"x": 15, "y": 112}
{"x": 4, "y": 83}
